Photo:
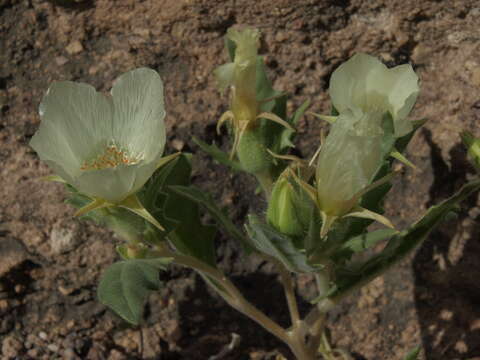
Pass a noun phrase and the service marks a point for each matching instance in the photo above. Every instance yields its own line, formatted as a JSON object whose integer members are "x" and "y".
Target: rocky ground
{"x": 50, "y": 262}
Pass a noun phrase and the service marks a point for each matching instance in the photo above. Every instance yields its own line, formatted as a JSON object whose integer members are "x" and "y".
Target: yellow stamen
{"x": 110, "y": 158}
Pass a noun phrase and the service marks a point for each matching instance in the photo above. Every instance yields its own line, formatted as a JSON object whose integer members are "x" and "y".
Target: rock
{"x": 12, "y": 254}
{"x": 64, "y": 237}
{"x": 116, "y": 355}
{"x": 61, "y": 60}
{"x": 74, "y": 47}
{"x": 69, "y": 354}
{"x": 11, "y": 348}
{"x": 53, "y": 348}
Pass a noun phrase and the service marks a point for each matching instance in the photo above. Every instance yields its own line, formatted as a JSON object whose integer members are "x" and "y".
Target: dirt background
{"x": 50, "y": 263}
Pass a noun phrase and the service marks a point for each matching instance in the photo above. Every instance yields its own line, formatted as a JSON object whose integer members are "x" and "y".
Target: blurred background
{"x": 50, "y": 262}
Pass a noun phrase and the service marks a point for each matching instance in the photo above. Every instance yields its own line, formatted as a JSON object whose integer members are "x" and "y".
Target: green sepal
{"x": 124, "y": 223}
{"x": 125, "y": 286}
{"x": 219, "y": 215}
{"x": 287, "y": 135}
{"x": 354, "y": 275}
{"x": 218, "y": 155}
{"x": 271, "y": 242}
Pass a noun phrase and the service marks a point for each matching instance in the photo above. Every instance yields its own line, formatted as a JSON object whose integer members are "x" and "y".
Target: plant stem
{"x": 234, "y": 296}
{"x": 316, "y": 318}
{"x": 294, "y": 338}
{"x": 289, "y": 290}
{"x": 266, "y": 182}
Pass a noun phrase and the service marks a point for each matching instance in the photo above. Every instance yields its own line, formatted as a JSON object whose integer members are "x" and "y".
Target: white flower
{"x": 105, "y": 146}
{"x": 366, "y": 87}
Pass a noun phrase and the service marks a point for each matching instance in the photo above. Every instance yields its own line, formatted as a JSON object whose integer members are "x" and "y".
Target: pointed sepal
{"x": 134, "y": 205}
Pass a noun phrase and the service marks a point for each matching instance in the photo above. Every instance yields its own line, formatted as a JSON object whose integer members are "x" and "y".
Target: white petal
{"x": 403, "y": 96}
{"x": 111, "y": 184}
{"x": 224, "y": 75}
{"x": 399, "y": 87}
{"x": 364, "y": 82}
{"x": 74, "y": 119}
{"x": 346, "y": 164}
{"x": 349, "y": 83}
{"x": 139, "y": 113}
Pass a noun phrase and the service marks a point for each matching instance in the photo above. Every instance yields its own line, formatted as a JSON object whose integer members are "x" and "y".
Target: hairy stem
{"x": 294, "y": 338}
{"x": 266, "y": 182}
{"x": 232, "y": 295}
{"x": 289, "y": 290}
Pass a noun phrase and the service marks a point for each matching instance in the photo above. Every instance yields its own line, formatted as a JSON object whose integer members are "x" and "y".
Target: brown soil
{"x": 50, "y": 262}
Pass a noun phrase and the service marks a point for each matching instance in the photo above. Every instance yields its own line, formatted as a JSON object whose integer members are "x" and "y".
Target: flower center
{"x": 111, "y": 157}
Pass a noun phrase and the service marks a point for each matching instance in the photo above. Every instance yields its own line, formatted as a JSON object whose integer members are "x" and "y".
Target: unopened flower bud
{"x": 289, "y": 208}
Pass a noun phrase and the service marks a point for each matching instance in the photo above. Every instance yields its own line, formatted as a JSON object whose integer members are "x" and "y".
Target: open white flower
{"x": 365, "y": 86}
{"x": 105, "y": 146}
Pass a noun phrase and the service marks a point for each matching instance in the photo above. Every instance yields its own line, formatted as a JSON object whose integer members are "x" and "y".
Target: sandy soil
{"x": 50, "y": 262}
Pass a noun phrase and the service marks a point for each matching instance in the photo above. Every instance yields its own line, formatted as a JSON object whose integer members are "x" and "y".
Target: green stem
{"x": 266, "y": 182}
{"x": 233, "y": 296}
{"x": 316, "y": 318}
{"x": 293, "y": 338}
{"x": 289, "y": 290}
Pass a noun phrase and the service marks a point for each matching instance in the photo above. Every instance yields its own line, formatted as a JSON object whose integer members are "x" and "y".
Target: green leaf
{"x": 219, "y": 215}
{"x": 264, "y": 89}
{"x": 125, "y": 286}
{"x": 399, "y": 246}
{"x": 287, "y": 135}
{"x": 362, "y": 242}
{"x": 269, "y": 241}
{"x": 218, "y": 155}
{"x": 180, "y": 215}
{"x": 413, "y": 354}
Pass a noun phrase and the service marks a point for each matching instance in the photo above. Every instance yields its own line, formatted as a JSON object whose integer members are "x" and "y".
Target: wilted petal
{"x": 346, "y": 164}
{"x": 74, "y": 119}
{"x": 139, "y": 113}
{"x": 225, "y": 75}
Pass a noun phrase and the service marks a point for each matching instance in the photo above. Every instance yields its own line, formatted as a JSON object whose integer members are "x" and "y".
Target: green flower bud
{"x": 289, "y": 208}
{"x": 241, "y": 75}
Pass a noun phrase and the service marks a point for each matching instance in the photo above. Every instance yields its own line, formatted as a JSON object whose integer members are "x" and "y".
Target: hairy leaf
{"x": 218, "y": 155}
{"x": 203, "y": 199}
{"x": 125, "y": 286}
{"x": 269, "y": 241}
{"x": 400, "y": 245}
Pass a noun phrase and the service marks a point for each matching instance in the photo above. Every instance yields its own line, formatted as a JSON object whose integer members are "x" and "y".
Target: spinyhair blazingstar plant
{"x": 107, "y": 147}
{"x": 109, "y": 150}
